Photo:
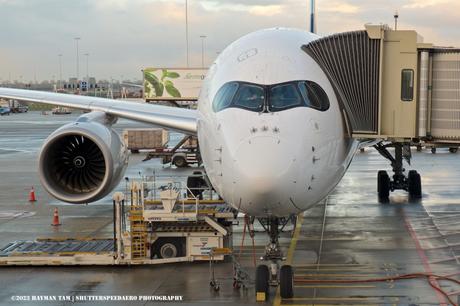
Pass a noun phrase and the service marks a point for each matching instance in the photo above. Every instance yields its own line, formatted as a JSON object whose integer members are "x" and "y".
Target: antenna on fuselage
{"x": 312, "y": 16}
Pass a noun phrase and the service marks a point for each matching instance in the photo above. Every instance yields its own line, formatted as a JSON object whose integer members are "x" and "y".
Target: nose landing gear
{"x": 410, "y": 183}
{"x": 273, "y": 275}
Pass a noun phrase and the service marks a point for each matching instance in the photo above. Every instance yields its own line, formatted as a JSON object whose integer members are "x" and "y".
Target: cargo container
{"x": 145, "y": 139}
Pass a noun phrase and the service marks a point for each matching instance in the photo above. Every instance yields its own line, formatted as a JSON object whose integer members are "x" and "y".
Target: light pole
{"x": 312, "y": 16}
{"x": 60, "y": 71}
{"x": 186, "y": 32}
{"x": 78, "y": 63}
{"x": 87, "y": 73}
{"x": 203, "y": 37}
{"x": 396, "y": 16}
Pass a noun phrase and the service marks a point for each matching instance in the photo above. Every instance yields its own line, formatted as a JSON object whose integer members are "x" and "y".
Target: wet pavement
{"x": 349, "y": 237}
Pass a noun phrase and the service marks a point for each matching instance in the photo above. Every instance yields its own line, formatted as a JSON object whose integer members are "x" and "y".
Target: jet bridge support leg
{"x": 410, "y": 183}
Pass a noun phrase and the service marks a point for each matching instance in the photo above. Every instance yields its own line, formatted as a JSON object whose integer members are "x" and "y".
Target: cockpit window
{"x": 271, "y": 98}
{"x": 224, "y": 96}
{"x": 284, "y": 96}
{"x": 314, "y": 95}
{"x": 251, "y": 97}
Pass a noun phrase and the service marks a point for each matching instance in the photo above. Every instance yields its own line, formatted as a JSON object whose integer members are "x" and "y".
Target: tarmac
{"x": 349, "y": 238}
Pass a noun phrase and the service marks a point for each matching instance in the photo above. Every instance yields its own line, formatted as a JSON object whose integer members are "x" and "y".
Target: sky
{"x": 124, "y": 36}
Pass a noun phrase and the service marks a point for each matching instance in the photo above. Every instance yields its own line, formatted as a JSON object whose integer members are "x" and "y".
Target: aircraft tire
{"x": 286, "y": 282}
{"x": 262, "y": 278}
{"x": 383, "y": 185}
{"x": 414, "y": 185}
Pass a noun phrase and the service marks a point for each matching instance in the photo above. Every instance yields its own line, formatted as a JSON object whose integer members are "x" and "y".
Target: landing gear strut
{"x": 411, "y": 183}
{"x": 272, "y": 274}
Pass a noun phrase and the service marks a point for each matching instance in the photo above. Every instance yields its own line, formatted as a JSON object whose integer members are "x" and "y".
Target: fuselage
{"x": 271, "y": 133}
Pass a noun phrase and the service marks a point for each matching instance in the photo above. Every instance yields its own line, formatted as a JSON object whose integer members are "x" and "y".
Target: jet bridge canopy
{"x": 391, "y": 85}
{"x": 351, "y": 62}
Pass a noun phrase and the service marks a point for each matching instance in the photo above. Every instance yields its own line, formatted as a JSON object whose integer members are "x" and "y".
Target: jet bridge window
{"x": 407, "y": 85}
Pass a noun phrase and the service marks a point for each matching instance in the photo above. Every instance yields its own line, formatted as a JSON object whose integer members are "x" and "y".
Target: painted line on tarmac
{"x": 316, "y": 304}
{"x": 336, "y": 286}
{"x": 339, "y": 269}
{"x": 290, "y": 254}
{"x": 367, "y": 275}
{"x": 333, "y": 264}
{"x": 338, "y": 298}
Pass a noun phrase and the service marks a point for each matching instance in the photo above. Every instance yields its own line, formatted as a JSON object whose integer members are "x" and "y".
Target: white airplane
{"x": 271, "y": 133}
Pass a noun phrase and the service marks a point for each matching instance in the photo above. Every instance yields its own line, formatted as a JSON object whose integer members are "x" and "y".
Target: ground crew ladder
{"x": 138, "y": 233}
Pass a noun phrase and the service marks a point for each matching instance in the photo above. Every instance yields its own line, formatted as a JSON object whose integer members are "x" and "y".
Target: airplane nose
{"x": 262, "y": 166}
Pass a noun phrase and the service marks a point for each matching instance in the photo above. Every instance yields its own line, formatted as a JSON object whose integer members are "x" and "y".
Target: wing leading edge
{"x": 182, "y": 120}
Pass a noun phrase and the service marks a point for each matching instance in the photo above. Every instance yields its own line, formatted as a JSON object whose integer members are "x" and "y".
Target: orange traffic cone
{"x": 32, "y": 195}
{"x": 56, "y": 218}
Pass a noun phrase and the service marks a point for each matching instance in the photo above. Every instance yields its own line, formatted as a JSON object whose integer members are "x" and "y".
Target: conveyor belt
{"x": 47, "y": 247}
{"x": 202, "y": 208}
{"x": 186, "y": 227}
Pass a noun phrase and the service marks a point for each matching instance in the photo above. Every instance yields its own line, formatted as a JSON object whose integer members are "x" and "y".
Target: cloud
{"x": 123, "y": 36}
{"x": 257, "y": 10}
{"x": 248, "y": 3}
{"x": 425, "y": 3}
{"x": 268, "y": 10}
{"x": 340, "y": 7}
{"x": 163, "y": 12}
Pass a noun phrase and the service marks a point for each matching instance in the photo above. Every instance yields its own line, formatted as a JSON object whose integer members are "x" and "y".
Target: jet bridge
{"x": 394, "y": 90}
{"x": 391, "y": 85}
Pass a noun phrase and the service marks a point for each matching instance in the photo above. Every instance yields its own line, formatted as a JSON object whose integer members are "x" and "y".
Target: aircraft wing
{"x": 182, "y": 120}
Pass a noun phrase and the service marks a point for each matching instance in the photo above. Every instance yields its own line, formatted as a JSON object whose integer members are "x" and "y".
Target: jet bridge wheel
{"x": 414, "y": 184}
{"x": 286, "y": 282}
{"x": 262, "y": 282}
{"x": 383, "y": 185}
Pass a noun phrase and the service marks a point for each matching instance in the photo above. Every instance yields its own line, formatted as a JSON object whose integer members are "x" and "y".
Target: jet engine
{"x": 83, "y": 161}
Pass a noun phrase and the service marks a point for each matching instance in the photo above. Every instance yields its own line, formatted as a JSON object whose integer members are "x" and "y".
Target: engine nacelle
{"x": 83, "y": 161}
